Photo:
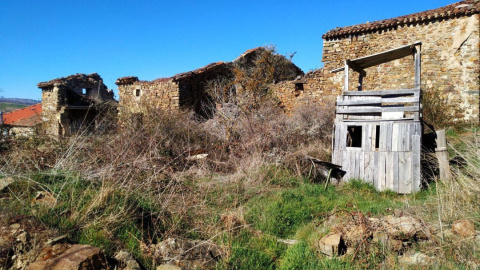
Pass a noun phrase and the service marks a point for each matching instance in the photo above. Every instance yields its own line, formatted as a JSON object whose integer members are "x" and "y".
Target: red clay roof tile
{"x": 28, "y": 116}
{"x": 462, "y": 8}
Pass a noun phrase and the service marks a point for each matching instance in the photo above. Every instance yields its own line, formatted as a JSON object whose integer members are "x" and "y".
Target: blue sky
{"x": 43, "y": 40}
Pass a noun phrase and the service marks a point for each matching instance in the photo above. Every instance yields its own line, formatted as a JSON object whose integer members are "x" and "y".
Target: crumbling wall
{"x": 70, "y": 103}
{"x": 450, "y": 59}
{"x": 314, "y": 87}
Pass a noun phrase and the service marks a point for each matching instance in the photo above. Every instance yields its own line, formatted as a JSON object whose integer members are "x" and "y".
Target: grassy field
{"x": 8, "y": 107}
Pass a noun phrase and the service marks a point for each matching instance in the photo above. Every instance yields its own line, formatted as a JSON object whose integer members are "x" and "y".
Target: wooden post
{"x": 346, "y": 76}
{"x": 418, "y": 66}
{"x": 442, "y": 155}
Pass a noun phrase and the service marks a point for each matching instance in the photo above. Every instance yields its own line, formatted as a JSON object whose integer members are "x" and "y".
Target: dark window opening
{"x": 354, "y": 136}
{"x": 377, "y": 137}
{"x": 137, "y": 92}
{"x": 298, "y": 88}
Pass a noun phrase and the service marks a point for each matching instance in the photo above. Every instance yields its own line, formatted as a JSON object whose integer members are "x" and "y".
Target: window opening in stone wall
{"x": 377, "y": 137}
{"x": 137, "y": 92}
{"x": 354, "y": 136}
{"x": 298, "y": 88}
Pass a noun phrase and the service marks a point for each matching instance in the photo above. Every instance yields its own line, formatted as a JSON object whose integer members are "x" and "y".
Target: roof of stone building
{"x": 209, "y": 67}
{"x": 28, "y": 116}
{"x": 458, "y": 9}
{"x": 78, "y": 76}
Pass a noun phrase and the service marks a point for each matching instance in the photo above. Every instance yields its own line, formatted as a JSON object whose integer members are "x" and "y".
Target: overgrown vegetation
{"x": 239, "y": 179}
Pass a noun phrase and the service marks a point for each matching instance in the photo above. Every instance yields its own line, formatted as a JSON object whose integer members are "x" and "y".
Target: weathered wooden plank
{"x": 402, "y": 172}
{"x": 377, "y": 100}
{"x": 383, "y": 136}
{"x": 395, "y": 136}
{"x": 367, "y": 139}
{"x": 442, "y": 155}
{"x": 361, "y": 173}
{"x": 389, "y": 137}
{"x": 346, "y": 77}
{"x": 346, "y": 165}
{"x": 397, "y": 92}
{"x": 381, "y": 171}
{"x": 389, "y": 174}
{"x": 418, "y": 65}
{"x": 416, "y": 176}
{"x": 370, "y": 109}
{"x": 376, "y": 158}
{"x": 366, "y": 167}
{"x": 395, "y": 170}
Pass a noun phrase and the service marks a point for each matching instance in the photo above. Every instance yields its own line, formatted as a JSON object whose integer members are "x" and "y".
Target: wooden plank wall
{"x": 394, "y": 165}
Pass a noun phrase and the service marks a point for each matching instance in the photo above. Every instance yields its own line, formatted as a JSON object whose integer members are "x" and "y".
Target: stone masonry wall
{"x": 450, "y": 60}
{"x": 162, "y": 94}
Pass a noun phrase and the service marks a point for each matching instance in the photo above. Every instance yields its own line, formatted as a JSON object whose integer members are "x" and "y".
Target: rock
{"x": 127, "y": 262}
{"x": 44, "y": 198}
{"x": 332, "y": 244}
{"x": 404, "y": 228}
{"x": 15, "y": 226}
{"x": 463, "y": 228}
{"x": 288, "y": 241}
{"x": 168, "y": 267}
{"x": 416, "y": 258}
{"x": 5, "y": 182}
{"x": 355, "y": 234}
{"x": 80, "y": 257}
{"x": 187, "y": 253}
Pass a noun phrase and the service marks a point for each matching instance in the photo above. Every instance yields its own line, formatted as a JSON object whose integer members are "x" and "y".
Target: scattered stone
{"x": 415, "y": 259}
{"x": 76, "y": 257}
{"x": 15, "y": 226}
{"x": 127, "y": 262}
{"x": 404, "y": 228}
{"x": 168, "y": 267}
{"x": 5, "y": 182}
{"x": 355, "y": 234}
{"x": 55, "y": 240}
{"x": 44, "y": 198}
{"x": 187, "y": 253}
{"x": 332, "y": 244}
{"x": 288, "y": 241}
{"x": 463, "y": 228}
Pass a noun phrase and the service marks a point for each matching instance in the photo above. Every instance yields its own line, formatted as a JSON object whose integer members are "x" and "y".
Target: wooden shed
{"x": 377, "y": 134}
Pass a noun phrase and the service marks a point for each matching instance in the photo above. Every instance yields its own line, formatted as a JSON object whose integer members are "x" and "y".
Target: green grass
{"x": 283, "y": 212}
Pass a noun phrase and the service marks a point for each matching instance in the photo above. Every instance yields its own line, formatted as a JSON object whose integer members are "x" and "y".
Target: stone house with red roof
{"x": 22, "y": 122}
{"x": 450, "y": 58}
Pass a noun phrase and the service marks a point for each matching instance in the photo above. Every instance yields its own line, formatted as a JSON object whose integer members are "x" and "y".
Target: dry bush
{"x": 438, "y": 108}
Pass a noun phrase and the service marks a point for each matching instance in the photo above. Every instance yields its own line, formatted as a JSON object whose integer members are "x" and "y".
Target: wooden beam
{"x": 418, "y": 66}
{"x": 401, "y": 92}
{"x": 378, "y": 100}
{"x": 346, "y": 77}
{"x": 377, "y": 109}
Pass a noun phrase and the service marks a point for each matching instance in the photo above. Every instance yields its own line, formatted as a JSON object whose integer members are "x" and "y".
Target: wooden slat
{"x": 367, "y": 139}
{"x": 381, "y": 171}
{"x": 397, "y": 92}
{"x": 396, "y": 170}
{"x": 375, "y": 171}
{"x": 358, "y": 121}
{"x": 389, "y": 137}
{"x": 378, "y": 100}
{"x": 389, "y": 171}
{"x": 418, "y": 64}
{"x": 416, "y": 176}
{"x": 371, "y": 109}
{"x": 346, "y": 165}
{"x": 395, "y": 136}
{"x": 361, "y": 173}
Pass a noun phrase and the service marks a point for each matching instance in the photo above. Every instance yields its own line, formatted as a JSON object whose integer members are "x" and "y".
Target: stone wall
{"x": 450, "y": 59}
{"x": 141, "y": 96}
{"x": 70, "y": 103}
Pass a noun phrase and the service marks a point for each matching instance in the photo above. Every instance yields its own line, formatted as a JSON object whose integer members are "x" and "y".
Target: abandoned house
{"x": 188, "y": 90}
{"x": 450, "y": 58}
{"x": 22, "y": 122}
{"x": 74, "y": 103}
{"x": 377, "y": 134}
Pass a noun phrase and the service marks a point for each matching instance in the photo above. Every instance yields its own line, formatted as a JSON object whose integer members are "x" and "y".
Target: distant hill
{"x": 10, "y": 104}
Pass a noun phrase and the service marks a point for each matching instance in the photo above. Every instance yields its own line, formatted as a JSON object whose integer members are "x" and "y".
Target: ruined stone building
{"x": 188, "y": 90}
{"x": 73, "y": 103}
{"x": 450, "y": 58}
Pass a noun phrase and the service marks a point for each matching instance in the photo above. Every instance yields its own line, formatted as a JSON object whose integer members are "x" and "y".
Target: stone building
{"x": 22, "y": 122}
{"x": 188, "y": 90}
{"x": 450, "y": 57}
{"x": 73, "y": 103}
